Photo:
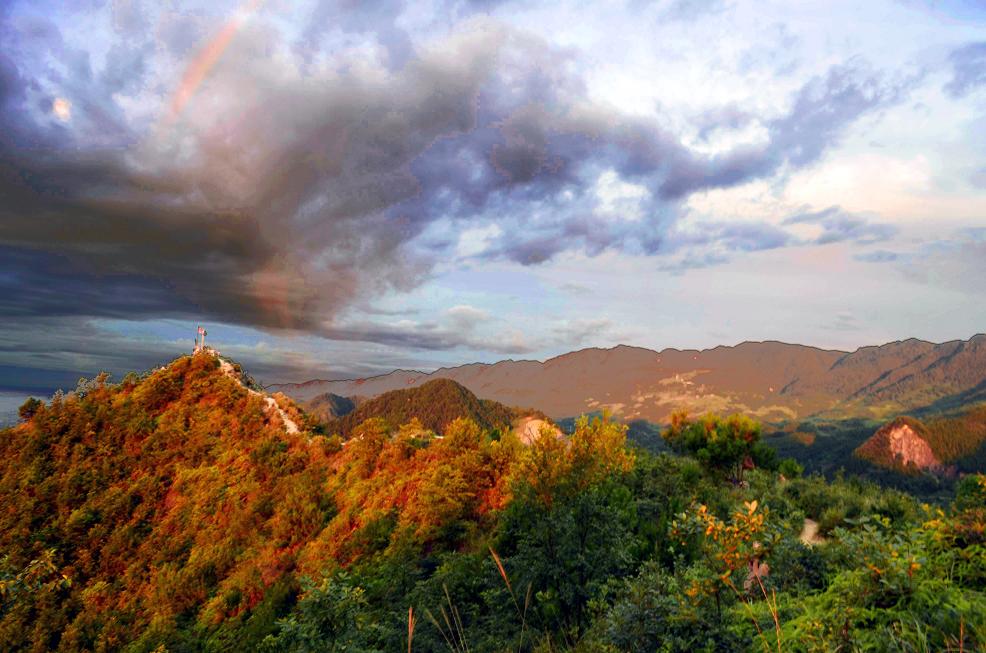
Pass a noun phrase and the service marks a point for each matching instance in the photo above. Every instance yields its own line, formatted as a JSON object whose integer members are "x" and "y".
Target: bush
{"x": 790, "y": 468}
{"x": 30, "y": 408}
{"x": 724, "y": 446}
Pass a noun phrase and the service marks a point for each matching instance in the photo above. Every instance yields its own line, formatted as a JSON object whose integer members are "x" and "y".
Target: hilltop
{"x": 772, "y": 381}
{"x": 180, "y": 493}
{"x": 910, "y": 444}
{"x": 435, "y": 405}
{"x": 328, "y": 406}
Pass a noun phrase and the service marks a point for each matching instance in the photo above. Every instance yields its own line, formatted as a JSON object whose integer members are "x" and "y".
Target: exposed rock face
{"x": 899, "y": 444}
{"x": 529, "y": 429}
{"x": 907, "y": 447}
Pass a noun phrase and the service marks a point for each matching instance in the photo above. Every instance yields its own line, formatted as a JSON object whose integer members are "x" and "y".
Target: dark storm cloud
{"x": 286, "y": 193}
{"x": 968, "y": 69}
{"x": 40, "y": 354}
{"x": 36, "y": 283}
{"x": 427, "y": 336}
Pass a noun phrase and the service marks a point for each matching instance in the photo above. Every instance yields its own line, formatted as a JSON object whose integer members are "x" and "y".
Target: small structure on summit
{"x": 200, "y": 340}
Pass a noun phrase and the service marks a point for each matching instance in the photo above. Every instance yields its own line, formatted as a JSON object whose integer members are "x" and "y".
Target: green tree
{"x": 331, "y": 618}
{"x": 569, "y": 527}
{"x": 724, "y": 445}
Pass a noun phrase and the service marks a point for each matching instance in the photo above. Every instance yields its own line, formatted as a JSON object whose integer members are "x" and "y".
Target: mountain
{"x": 773, "y": 381}
{"x": 330, "y": 406}
{"x": 181, "y": 510}
{"x": 434, "y": 404}
{"x": 929, "y": 444}
{"x": 182, "y": 494}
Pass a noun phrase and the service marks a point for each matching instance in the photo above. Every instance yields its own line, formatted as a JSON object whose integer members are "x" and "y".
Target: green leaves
{"x": 724, "y": 445}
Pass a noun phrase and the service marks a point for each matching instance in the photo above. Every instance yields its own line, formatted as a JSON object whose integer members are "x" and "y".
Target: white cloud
{"x": 476, "y": 240}
{"x": 618, "y": 199}
{"x": 467, "y": 317}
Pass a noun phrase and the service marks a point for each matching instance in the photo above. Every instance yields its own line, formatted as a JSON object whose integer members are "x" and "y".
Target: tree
{"x": 30, "y": 408}
{"x": 330, "y": 618}
{"x": 569, "y": 526}
{"x": 724, "y": 445}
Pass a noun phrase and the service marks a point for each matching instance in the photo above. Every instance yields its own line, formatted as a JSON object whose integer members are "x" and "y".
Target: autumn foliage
{"x": 180, "y": 499}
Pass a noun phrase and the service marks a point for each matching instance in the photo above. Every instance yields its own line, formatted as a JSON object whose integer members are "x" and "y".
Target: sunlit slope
{"x": 182, "y": 500}
{"x": 770, "y": 380}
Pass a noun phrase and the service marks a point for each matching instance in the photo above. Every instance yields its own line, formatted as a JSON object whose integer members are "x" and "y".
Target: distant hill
{"x": 772, "y": 381}
{"x": 328, "y": 406}
{"x": 931, "y": 443}
{"x": 435, "y": 404}
{"x": 901, "y": 444}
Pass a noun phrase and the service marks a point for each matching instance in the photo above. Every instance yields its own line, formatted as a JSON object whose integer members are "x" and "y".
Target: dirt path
{"x": 272, "y": 405}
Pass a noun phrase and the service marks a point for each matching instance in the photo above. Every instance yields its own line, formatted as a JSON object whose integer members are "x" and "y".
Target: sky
{"x": 336, "y": 189}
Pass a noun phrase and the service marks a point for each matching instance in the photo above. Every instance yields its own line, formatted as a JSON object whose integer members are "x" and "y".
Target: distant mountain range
{"x": 773, "y": 381}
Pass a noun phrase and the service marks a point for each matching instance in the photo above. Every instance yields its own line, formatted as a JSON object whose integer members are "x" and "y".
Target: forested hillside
{"x": 435, "y": 405}
{"x": 175, "y": 512}
{"x": 328, "y": 406}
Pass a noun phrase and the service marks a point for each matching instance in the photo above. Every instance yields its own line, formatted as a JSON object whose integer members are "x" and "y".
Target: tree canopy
{"x": 726, "y": 445}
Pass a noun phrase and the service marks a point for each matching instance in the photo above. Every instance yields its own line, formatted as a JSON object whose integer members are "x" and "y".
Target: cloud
{"x": 577, "y": 332}
{"x": 968, "y": 69}
{"x": 430, "y": 336}
{"x": 279, "y": 223}
{"x": 957, "y": 263}
{"x": 576, "y": 289}
{"x": 296, "y": 188}
{"x": 839, "y": 226}
{"x": 843, "y": 322}
{"x": 688, "y": 10}
{"x": 40, "y": 354}
{"x": 466, "y": 318}
{"x": 877, "y": 256}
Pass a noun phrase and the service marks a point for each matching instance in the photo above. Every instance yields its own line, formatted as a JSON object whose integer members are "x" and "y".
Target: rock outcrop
{"x": 900, "y": 444}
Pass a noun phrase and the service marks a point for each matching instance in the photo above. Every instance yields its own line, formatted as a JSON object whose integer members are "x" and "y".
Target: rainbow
{"x": 203, "y": 63}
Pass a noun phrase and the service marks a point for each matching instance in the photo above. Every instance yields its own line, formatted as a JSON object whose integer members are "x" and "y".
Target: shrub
{"x": 30, "y": 408}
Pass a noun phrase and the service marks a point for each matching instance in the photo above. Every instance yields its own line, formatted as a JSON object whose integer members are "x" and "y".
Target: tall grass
{"x": 450, "y": 625}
